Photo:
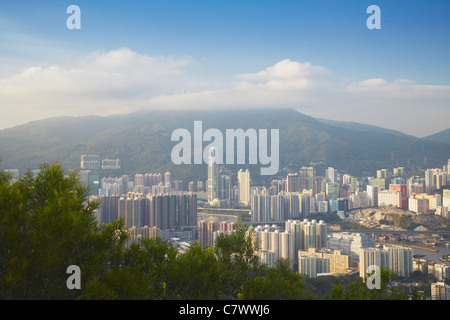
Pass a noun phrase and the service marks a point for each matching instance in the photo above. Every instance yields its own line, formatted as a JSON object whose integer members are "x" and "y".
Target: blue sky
{"x": 216, "y": 42}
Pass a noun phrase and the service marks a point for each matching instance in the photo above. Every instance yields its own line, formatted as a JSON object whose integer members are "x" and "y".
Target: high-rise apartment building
{"x": 440, "y": 291}
{"x": 350, "y": 243}
{"x": 446, "y": 198}
{"x": 260, "y": 206}
{"x": 403, "y": 194}
{"x": 272, "y": 239}
{"x": 293, "y": 182}
{"x": 332, "y": 190}
{"x": 420, "y": 206}
{"x": 213, "y": 176}
{"x": 167, "y": 211}
{"x": 442, "y": 271}
{"x": 389, "y": 198}
{"x": 90, "y": 162}
{"x": 307, "y": 177}
{"x": 167, "y": 178}
{"x": 415, "y": 185}
{"x": 225, "y": 189}
{"x": 382, "y": 173}
{"x": 398, "y": 259}
{"x": 399, "y": 172}
{"x": 331, "y": 175}
{"x": 435, "y": 179}
{"x": 312, "y": 265}
{"x": 108, "y": 209}
{"x": 372, "y": 257}
{"x": 111, "y": 164}
{"x": 206, "y": 231}
{"x": 139, "y": 179}
{"x": 338, "y": 262}
{"x": 278, "y": 207}
{"x": 307, "y": 234}
{"x": 132, "y": 208}
{"x": 434, "y": 200}
{"x": 244, "y": 187}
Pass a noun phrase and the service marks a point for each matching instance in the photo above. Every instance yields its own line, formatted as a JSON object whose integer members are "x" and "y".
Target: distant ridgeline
{"x": 142, "y": 142}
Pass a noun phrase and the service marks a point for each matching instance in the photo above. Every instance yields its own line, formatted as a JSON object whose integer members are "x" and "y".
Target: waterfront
{"x": 216, "y": 217}
{"x": 434, "y": 256}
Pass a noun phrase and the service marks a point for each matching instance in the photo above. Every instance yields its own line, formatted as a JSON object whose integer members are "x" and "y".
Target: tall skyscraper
{"x": 213, "y": 176}
{"x": 372, "y": 194}
{"x": 293, "y": 183}
{"x": 139, "y": 179}
{"x": 331, "y": 174}
{"x": 132, "y": 208}
{"x": 272, "y": 239}
{"x": 108, "y": 209}
{"x": 244, "y": 187}
{"x": 225, "y": 189}
{"x": 307, "y": 234}
{"x": 260, "y": 206}
{"x": 307, "y": 177}
{"x": 167, "y": 178}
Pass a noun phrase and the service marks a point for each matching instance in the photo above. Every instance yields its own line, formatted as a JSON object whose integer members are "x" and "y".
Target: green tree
{"x": 358, "y": 290}
{"x": 237, "y": 252}
{"x": 278, "y": 283}
{"x": 197, "y": 274}
{"x": 245, "y": 277}
{"x": 46, "y": 226}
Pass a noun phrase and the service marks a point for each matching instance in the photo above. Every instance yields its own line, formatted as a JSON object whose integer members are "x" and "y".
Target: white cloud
{"x": 123, "y": 80}
{"x": 102, "y": 83}
{"x": 401, "y": 88}
{"x": 285, "y": 75}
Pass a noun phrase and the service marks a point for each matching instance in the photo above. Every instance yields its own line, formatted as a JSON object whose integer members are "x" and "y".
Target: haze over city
{"x": 225, "y": 152}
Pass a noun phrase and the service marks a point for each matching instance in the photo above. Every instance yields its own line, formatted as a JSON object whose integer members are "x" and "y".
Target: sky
{"x": 316, "y": 56}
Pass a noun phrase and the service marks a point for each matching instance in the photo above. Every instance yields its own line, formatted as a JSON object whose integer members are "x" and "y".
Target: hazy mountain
{"x": 443, "y": 136}
{"x": 142, "y": 141}
{"x": 361, "y": 127}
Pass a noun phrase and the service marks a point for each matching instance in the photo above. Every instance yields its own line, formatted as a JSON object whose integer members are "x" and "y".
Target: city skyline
{"x": 100, "y": 177}
{"x": 317, "y": 57}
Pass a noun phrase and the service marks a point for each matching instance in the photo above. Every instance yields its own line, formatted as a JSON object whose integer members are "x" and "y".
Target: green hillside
{"x": 143, "y": 143}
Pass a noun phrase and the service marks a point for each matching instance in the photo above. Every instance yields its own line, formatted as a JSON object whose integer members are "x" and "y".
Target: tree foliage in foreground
{"x": 46, "y": 225}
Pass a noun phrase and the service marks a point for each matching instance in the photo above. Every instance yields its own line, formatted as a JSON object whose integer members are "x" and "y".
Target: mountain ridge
{"x": 142, "y": 141}
{"x": 441, "y": 136}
